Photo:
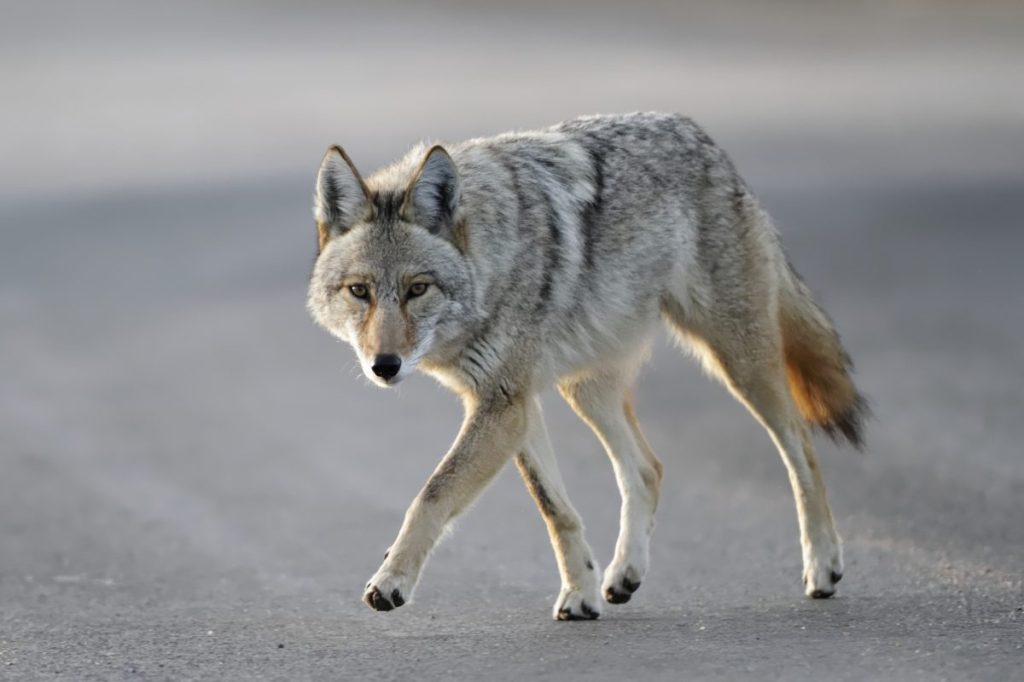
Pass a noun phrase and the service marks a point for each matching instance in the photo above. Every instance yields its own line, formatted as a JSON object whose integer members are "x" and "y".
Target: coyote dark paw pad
{"x": 578, "y": 604}
{"x": 378, "y": 602}
{"x": 621, "y": 593}
{"x": 585, "y": 613}
{"x": 821, "y": 573}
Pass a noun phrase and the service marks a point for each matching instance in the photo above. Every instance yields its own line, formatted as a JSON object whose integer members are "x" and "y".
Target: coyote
{"x": 505, "y": 265}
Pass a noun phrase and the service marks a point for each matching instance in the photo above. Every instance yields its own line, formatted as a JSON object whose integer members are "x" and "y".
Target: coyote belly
{"x": 506, "y": 265}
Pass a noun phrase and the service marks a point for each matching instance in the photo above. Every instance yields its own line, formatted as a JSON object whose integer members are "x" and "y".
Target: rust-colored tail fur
{"x": 818, "y": 367}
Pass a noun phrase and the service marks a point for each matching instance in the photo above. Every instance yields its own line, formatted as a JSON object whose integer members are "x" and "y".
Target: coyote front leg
{"x": 603, "y": 402}
{"x": 579, "y": 598}
{"x": 492, "y": 430}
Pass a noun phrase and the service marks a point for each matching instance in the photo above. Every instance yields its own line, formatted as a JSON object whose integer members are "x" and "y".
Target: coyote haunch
{"x": 505, "y": 265}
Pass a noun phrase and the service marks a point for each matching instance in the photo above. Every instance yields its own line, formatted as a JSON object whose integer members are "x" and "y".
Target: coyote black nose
{"x": 386, "y": 366}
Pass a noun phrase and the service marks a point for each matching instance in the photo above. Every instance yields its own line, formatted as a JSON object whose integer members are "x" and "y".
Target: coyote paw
{"x": 620, "y": 582}
{"x": 573, "y": 604}
{"x": 580, "y": 598}
{"x": 385, "y": 591}
{"x": 822, "y": 572}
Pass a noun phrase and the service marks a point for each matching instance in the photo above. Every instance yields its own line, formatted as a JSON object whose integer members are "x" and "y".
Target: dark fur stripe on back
{"x": 592, "y": 211}
{"x": 555, "y": 228}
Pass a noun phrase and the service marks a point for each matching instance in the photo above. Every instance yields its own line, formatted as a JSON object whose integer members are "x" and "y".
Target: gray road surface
{"x": 195, "y": 483}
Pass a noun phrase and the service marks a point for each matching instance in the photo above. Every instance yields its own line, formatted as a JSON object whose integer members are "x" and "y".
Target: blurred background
{"x": 196, "y": 482}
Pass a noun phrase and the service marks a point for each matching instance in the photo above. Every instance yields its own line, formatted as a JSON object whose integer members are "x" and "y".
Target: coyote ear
{"x": 341, "y": 196}
{"x": 433, "y": 194}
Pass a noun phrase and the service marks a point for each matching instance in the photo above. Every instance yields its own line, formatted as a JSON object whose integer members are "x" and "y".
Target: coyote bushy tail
{"x": 818, "y": 367}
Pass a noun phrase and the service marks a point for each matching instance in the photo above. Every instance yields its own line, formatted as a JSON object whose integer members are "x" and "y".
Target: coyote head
{"x": 390, "y": 277}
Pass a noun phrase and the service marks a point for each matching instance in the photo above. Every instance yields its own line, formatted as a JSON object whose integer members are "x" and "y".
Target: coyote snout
{"x": 386, "y": 344}
{"x": 386, "y": 366}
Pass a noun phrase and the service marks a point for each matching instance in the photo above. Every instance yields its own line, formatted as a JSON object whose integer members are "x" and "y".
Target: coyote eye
{"x": 359, "y": 290}
{"x": 418, "y": 289}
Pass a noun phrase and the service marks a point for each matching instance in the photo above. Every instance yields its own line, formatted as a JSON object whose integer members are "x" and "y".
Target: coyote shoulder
{"x": 505, "y": 265}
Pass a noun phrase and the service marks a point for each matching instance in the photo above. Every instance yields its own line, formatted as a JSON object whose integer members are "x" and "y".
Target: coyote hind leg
{"x": 748, "y": 359}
